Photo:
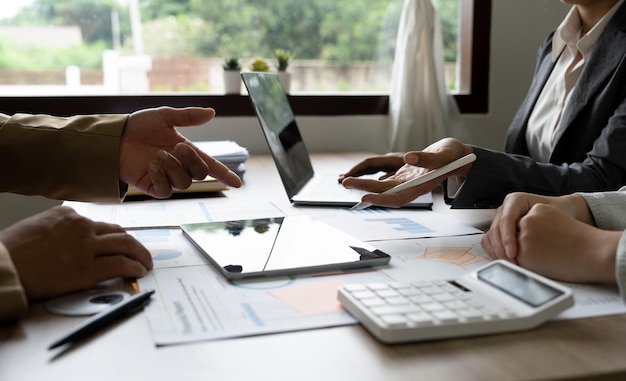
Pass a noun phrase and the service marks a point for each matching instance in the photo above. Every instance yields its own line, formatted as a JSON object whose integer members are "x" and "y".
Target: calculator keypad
{"x": 424, "y": 303}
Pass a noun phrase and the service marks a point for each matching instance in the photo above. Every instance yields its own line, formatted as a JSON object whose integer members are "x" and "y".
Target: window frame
{"x": 472, "y": 97}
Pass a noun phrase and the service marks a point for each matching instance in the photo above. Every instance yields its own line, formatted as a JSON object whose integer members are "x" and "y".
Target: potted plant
{"x": 282, "y": 58}
{"x": 259, "y": 64}
{"x": 232, "y": 75}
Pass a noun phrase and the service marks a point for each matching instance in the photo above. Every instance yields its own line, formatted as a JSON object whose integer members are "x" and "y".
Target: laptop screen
{"x": 280, "y": 130}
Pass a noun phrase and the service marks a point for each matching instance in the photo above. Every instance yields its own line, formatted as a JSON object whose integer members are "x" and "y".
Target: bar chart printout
{"x": 401, "y": 224}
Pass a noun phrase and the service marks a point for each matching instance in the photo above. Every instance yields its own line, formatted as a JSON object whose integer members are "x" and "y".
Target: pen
{"x": 456, "y": 164}
{"x": 105, "y": 317}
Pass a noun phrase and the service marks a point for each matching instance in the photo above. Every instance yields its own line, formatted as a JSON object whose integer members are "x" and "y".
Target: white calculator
{"x": 498, "y": 297}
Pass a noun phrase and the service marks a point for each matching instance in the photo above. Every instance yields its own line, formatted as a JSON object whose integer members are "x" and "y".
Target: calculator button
{"x": 355, "y": 287}
{"x": 421, "y": 318}
{"x": 455, "y": 305}
{"x": 363, "y": 294}
{"x": 409, "y": 291}
{"x": 399, "y": 285}
{"x": 421, "y": 299}
{"x": 373, "y": 302}
{"x": 394, "y": 321}
{"x": 445, "y": 316}
{"x": 386, "y": 293}
{"x": 394, "y": 310}
{"x": 431, "y": 307}
{"x": 443, "y": 297}
{"x": 397, "y": 300}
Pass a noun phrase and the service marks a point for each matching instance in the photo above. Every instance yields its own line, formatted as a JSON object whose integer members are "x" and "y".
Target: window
{"x": 174, "y": 55}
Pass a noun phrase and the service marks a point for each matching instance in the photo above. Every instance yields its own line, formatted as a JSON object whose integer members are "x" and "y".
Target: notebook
{"x": 302, "y": 184}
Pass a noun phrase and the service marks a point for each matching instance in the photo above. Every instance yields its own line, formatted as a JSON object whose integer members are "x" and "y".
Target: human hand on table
{"x": 400, "y": 169}
{"x": 501, "y": 239}
{"x": 553, "y": 236}
{"x": 59, "y": 251}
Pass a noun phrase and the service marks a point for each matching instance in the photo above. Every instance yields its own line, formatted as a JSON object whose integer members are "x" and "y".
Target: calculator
{"x": 495, "y": 298}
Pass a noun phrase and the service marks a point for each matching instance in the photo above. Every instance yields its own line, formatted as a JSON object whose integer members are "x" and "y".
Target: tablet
{"x": 280, "y": 246}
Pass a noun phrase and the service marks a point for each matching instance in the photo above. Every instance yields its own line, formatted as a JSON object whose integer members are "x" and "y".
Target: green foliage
{"x": 48, "y": 58}
{"x": 155, "y": 9}
{"x": 448, "y": 12}
{"x": 174, "y": 36}
{"x": 282, "y": 57}
{"x": 337, "y": 30}
{"x": 259, "y": 64}
{"x": 341, "y": 30}
{"x": 232, "y": 64}
{"x": 92, "y": 16}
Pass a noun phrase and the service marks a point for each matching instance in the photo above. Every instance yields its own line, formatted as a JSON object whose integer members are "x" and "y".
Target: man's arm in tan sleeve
{"x": 13, "y": 302}
{"x": 73, "y": 158}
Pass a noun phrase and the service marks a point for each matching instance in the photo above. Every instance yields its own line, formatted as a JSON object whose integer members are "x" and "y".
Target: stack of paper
{"x": 209, "y": 184}
{"x": 228, "y": 152}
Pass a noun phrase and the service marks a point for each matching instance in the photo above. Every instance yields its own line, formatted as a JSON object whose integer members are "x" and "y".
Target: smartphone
{"x": 458, "y": 163}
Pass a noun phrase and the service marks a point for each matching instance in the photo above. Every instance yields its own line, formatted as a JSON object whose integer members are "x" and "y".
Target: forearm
{"x": 13, "y": 302}
{"x": 495, "y": 174}
{"x": 61, "y": 158}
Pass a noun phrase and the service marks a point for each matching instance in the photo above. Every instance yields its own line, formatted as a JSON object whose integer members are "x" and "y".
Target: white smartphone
{"x": 458, "y": 163}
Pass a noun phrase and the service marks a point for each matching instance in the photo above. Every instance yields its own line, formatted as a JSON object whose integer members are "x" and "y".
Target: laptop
{"x": 302, "y": 184}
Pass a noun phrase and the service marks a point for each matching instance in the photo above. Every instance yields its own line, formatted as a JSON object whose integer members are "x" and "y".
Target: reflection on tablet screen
{"x": 279, "y": 246}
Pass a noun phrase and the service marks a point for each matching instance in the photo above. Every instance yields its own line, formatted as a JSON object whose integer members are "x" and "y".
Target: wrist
{"x": 605, "y": 256}
{"x": 576, "y": 206}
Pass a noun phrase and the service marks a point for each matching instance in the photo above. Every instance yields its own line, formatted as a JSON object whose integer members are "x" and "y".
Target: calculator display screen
{"x": 519, "y": 285}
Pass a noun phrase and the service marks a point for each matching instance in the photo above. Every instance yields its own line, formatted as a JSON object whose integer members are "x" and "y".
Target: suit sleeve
{"x": 13, "y": 302}
{"x": 609, "y": 211}
{"x": 75, "y": 158}
{"x": 495, "y": 174}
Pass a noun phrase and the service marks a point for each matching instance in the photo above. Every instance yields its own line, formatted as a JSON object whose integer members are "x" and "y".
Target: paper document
{"x": 228, "y": 152}
{"x": 195, "y": 302}
{"x": 155, "y": 213}
{"x": 377, "y": 224}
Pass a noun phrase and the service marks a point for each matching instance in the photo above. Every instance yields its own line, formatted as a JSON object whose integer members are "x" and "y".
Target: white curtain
{"x": 421, "y": 110}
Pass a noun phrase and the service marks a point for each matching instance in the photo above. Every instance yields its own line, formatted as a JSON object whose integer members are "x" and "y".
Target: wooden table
{"x": 569, "y": 349}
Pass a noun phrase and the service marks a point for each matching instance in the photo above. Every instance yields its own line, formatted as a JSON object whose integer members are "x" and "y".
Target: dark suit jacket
{"x": 590, "y": 149}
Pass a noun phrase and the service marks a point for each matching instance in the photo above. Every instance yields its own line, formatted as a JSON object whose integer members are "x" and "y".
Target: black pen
{"x": 105, "y": 317}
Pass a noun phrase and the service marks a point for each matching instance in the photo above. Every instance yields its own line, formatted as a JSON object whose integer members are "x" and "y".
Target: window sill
{"x": 225, "y": 105}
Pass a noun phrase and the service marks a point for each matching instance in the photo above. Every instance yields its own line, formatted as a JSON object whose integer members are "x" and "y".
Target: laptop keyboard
{"x": 326, "y": 187}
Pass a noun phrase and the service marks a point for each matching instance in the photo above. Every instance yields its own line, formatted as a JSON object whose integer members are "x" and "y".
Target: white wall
{"x": 518, "y": 27}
